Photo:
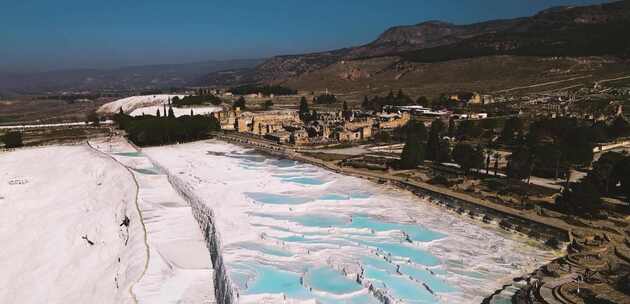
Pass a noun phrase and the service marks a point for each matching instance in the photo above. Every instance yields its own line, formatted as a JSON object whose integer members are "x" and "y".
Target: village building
{"x": 393, "y": 120}
{"x": 266, "y": 122}
{"x": 466, "y": 97}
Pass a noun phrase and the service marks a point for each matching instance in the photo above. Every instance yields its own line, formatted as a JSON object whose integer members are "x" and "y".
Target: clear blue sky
{"x": 53, "y": 34}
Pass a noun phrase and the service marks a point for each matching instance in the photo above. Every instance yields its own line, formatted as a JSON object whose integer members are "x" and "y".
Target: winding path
{"x": 144, "y": 227}
{"x": 178, "y": 267}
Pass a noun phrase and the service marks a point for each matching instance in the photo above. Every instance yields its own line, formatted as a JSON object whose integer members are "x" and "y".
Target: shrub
{"x": 12, "y": 139}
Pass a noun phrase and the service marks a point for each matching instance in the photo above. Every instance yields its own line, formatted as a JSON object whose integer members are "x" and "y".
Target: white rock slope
{"x": 54, "y": 200}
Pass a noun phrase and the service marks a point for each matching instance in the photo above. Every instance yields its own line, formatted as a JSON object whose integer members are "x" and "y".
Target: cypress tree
{"x": 158, "y": 113}
{"x": 304, "y": 111}
{"x": 414, "y": 151}
{"x": 412, "y": 154}
{"x": 171, "y": 114}
{"x": 437, "y": 148}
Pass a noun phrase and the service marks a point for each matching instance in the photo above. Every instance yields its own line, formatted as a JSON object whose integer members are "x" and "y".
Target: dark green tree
{"x": 325, "y": 99}
{"x": 267, "y": 104}
{"x": 93, "y": 118}
{"x": 437, "y": 147}
{"x": 468, "y": 157}
{"x": 520, "y": 164}
{"x": 240, "y": 103}
{"x": 304, "y": 110}
{"x": 604, "y": 169}
{"x": 577, "y": 149}
{"x": 12, "y": 139}
{"x": 621, "y": 176}
{"x": 469, "y": 129}
{"x": 346, "y": 113}
{"x": 451, "y": 127}
{"x": 366, "y": 103}
{"x": 619, "y": 128}
{"x": 171, "y": 114}
{"x": 157, "y": 113}
{"x": 582, "y": 198}
{"x": 412, "y": 154}
{"x": 489, "y": 124}
{"x": 511, "y": 127}
{"x": 548, "y": 160}
{"x": 423, "y": 101}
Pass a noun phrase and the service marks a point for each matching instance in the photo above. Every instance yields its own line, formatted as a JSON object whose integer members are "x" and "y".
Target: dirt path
{"x": 542, "y": 84}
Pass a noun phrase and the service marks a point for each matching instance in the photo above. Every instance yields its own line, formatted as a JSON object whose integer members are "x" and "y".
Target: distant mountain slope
{"x": 133, "y": 77}
{"x": 561, "y": 31}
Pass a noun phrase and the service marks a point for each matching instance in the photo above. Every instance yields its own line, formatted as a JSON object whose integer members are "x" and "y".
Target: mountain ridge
{"x": 556, "y": 31}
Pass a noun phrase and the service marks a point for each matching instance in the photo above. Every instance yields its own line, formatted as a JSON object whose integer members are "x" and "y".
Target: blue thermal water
{"x": 423, "y": 275}
{"x": 272, "y": 280}
{"x": 130, "y": 154}
{"x": 389, "y": 253}
{"x": 325, "y": 285}
{"x": 329, "y": 280}
{"x": 415, "y": 232}
{"x": 270, "y": 198}
{"x": 334, "y": 197}
{"x": 400, "y": 286}
{"x": 309, "y": 181}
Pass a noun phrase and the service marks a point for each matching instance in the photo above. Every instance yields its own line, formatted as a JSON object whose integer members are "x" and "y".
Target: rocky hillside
{"x": 562, "y": 31}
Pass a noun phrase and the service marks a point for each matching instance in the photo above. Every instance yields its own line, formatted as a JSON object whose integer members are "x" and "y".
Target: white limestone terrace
{"x": 64, "y": 238}
{"x": 54, "y": 202}
{"x": 295, "y": 233}
{"x": 149, "y": 104}
{"x": 179, "y": 267}
{"x": 132, "y": 103}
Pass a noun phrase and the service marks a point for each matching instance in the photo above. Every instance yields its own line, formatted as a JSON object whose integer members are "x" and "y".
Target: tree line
{"x": 421, "y": 145}
{"x": 377, "y": 103}
{"x": 149, "y": 130}
{"x": 196, "y": 100}
{"x": 265, "y": 90}
{"x": 324, "y": 99}
{"x": 548, "y": 148}
{"x": 610, "y": 176}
